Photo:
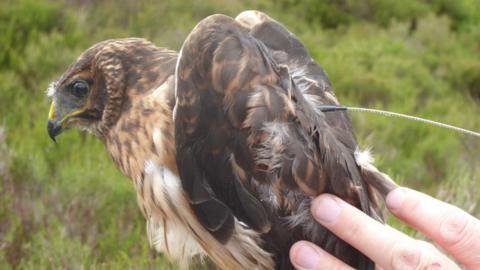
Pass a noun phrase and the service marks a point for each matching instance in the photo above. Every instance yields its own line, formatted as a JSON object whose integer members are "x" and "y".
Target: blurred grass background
{"x": 65, "y": 206}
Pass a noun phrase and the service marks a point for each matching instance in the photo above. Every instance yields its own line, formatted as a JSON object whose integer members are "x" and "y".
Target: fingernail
{"x": 326, "y": 210}
{"x": 307, "y": 257}
{"x": 395, "y": 199}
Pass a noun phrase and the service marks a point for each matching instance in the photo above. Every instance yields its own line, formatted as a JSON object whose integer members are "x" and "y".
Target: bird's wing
{"x": 242, "y": 121}
{"x": 312, "y": 81}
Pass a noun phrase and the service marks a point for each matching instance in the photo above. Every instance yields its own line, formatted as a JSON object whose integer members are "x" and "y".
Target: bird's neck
{"x": 144, "y": 133}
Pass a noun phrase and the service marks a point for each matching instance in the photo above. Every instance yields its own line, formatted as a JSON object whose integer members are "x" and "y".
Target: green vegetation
{"x": 65, "y": 206}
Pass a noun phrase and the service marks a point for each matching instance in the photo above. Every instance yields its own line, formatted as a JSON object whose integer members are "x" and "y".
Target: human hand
{"x": 455, "y": 231}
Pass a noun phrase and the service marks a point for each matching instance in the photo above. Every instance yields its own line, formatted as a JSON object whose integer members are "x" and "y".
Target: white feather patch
{"x": 51, "y": 89}
{"x": 166, "y": 234}
{"x": 363, "y": 158}
{"x": 162, "y": 89}
{"x": 149, "y": 166}
{"x": 157, "y": 138}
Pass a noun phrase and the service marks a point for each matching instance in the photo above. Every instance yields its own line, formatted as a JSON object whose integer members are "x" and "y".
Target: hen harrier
{"x": 224, "y": 142}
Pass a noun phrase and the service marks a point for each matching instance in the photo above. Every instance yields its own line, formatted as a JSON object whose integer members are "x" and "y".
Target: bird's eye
{"x": 80, "y": 88}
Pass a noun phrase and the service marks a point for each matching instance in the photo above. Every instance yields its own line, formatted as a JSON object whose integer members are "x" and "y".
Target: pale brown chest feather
{"x": 144, "y": 133}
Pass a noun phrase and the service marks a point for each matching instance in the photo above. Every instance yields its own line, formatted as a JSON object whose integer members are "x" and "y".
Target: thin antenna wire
{"x": 330, "y": 108}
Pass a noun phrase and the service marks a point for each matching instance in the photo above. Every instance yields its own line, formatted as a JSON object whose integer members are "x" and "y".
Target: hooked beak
{"x": 53, "y": 127}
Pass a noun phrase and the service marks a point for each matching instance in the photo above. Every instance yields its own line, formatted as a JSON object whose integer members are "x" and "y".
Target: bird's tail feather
{"x": 380, "y": 181}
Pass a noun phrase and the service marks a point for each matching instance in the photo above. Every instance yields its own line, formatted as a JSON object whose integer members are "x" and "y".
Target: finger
{"x": 416, "y": 254}
{"x": 369, "y": 236}
{"x": 305, "y": 255}
{"x": 453, "y": 229}
{"x": 357, "y": 229}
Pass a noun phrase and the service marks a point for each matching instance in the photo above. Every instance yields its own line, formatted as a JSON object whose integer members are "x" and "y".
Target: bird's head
{"x": 90, "y": 94}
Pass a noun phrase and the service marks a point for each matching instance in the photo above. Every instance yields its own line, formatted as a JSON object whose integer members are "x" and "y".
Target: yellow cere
{"x": 51, "y": 113}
